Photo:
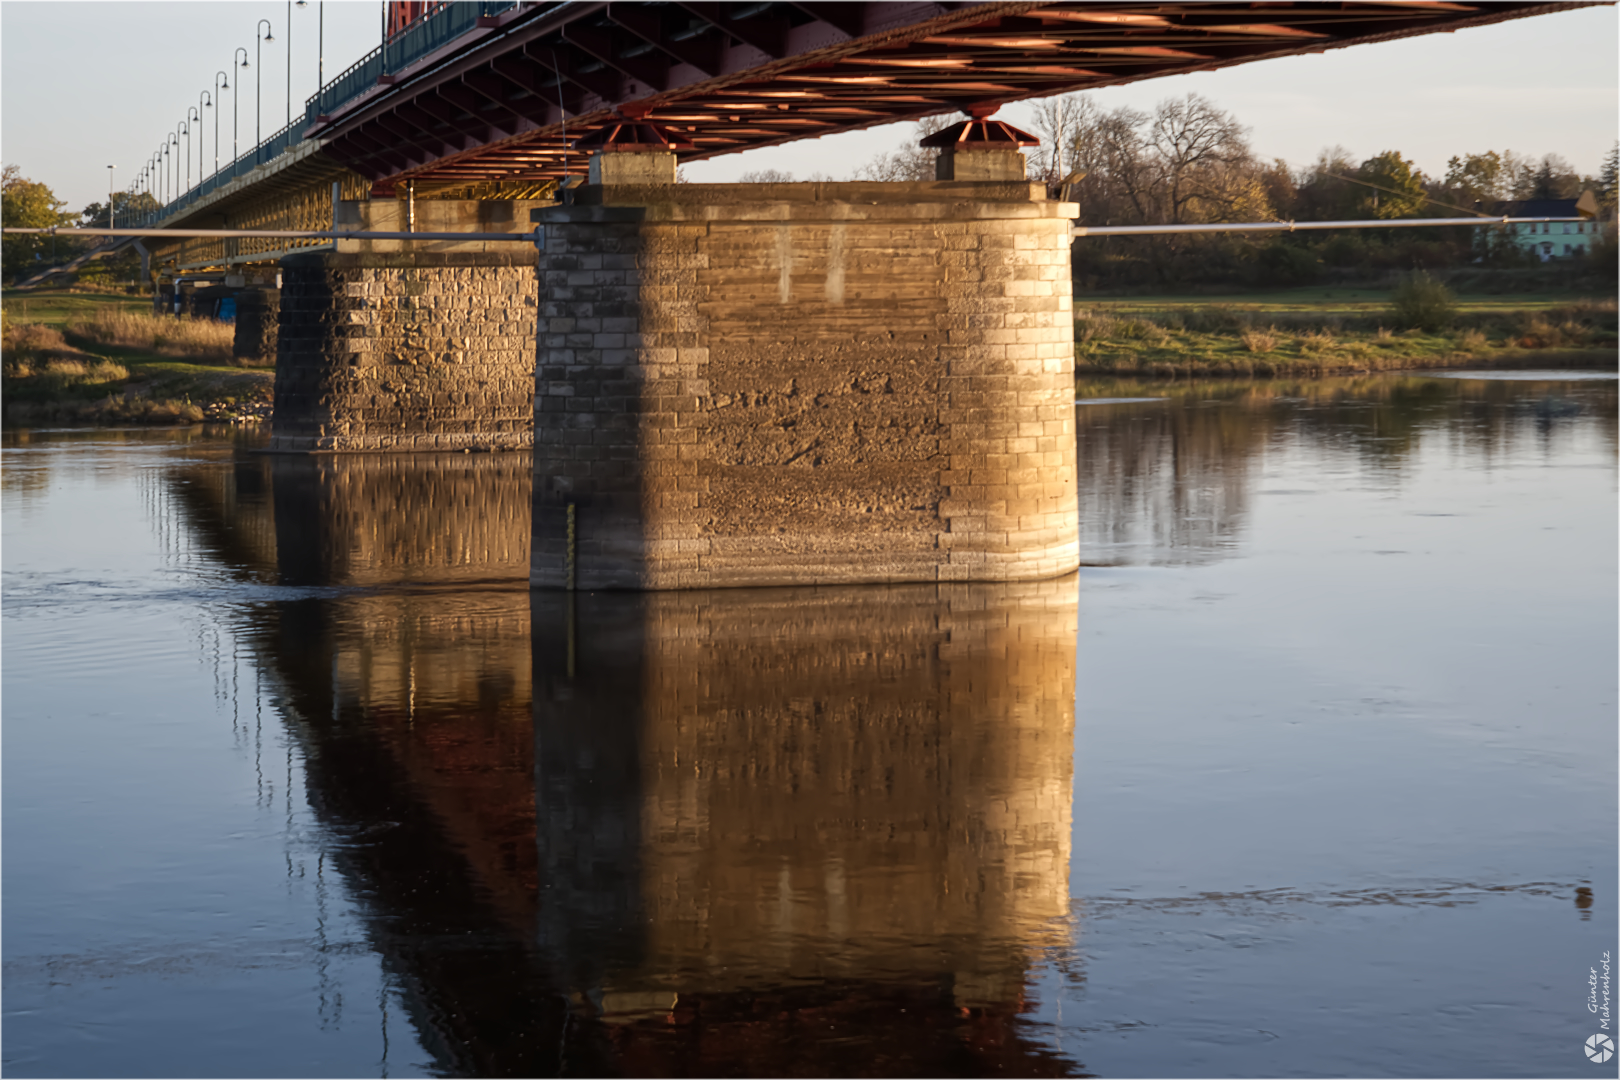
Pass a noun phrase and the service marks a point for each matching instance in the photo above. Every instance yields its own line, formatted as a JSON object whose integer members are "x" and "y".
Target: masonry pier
{"x": 431, "y": 348}
{"x": 789, "y": 384}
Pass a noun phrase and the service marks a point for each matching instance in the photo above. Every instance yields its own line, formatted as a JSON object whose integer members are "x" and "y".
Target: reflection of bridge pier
{"x": 729, "y": 829}
{"x": 782, "y": 807}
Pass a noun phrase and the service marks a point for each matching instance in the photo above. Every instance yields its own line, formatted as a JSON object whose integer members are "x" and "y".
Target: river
{"x": 1310, "y": 770}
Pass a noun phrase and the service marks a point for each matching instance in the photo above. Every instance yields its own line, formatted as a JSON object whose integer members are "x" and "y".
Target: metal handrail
{"x": 533, "y": 236}
{"x": 1299, "y": 226}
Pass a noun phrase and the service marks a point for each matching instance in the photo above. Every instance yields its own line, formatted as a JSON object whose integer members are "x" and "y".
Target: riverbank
{"x": 88, "y": 357}
{"x": 1317, "y": 332}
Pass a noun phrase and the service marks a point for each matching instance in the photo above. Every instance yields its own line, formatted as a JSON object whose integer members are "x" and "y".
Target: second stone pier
{"x": 785, "y": 384}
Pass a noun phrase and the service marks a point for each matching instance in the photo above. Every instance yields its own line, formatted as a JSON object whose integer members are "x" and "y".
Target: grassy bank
{"x": 1316, "y": 332}
{"x": 80, "y": 357}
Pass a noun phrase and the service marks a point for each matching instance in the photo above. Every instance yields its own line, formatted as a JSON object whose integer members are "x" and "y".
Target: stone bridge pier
{"x": 431, "y": 348}
{"x": 798, "y": 384}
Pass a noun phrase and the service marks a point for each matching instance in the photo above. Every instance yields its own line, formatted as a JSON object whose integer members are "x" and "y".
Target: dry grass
{"x": 1316, "y": 341}
{"x": 192, "y": 339}
{"x": 68, "y": 371}
{"x": 114, "y": 409}
{"x": 1472, "y": 341}
{"x": 24, "y": 341}
{"x": 1259, "y": 341}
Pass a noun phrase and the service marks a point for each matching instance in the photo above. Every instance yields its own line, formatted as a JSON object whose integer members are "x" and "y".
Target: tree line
{"x": 1189, "y": 162}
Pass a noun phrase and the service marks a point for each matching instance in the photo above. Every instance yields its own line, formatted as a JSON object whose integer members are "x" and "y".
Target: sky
{"x": 87, "y": 85}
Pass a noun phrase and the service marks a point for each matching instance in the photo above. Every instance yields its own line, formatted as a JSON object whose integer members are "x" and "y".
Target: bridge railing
{"x": 425, "y": 35}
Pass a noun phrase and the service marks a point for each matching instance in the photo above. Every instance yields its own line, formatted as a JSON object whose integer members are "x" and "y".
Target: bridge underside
{"x": 504, "y": 103}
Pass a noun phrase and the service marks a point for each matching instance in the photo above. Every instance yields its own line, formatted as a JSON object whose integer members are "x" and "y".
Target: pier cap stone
{"x": 980, "y": 149}
{"x": 632, "y": 150}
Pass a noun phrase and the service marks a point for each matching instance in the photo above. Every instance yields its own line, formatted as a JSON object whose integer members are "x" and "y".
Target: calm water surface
{"x": 1310, "y": 771}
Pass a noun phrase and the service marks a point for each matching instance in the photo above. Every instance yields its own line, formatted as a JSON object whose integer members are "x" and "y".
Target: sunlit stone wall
{"x": 430, "y": 351}
{"x": 771, "y": 384}
{"x": 741, "y": 788}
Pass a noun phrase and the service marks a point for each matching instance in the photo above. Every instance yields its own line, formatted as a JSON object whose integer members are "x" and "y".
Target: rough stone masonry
{"x": 405, "y": 351}
{"x": 784, "y": 384}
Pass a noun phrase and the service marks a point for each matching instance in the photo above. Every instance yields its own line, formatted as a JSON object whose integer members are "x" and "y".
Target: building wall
{"x": 771, "y": 384}
{"x": 405, "y": 352}
{"x": 1567, "y": 238}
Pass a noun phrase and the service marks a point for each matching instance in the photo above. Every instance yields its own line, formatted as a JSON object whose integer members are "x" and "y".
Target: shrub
{"x": 1472, "y": 341}
{"x": 1422, "y": 303}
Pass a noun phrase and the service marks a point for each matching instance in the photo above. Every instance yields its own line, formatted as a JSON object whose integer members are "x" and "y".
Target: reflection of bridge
{"x": 726, "y": 833}
{"x": 484, "y": 100}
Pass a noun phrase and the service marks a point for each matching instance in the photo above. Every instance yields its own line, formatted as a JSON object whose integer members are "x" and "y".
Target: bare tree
{"x": 1058, "y": 121}
{"x": 909, "y": 162}
{"x": 1204, "y": 165}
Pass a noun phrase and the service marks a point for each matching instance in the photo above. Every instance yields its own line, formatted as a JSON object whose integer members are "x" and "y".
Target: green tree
{"x": 1607, "y": 179}
{"x": 1555, "y": 178}
{"x": 26, "y": 203}
{"x": 126, "y": 205}
{"x": 1476, "y": 178}
{"x": 1397, "y": 189}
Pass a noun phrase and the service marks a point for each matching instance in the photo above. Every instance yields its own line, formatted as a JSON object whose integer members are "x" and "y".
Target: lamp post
{"x": 236, "y": 99}
{"x": 187, "y": 122}
{"x": 110, "y": 222}
{"x": 258, "y": 85}
{"x": 218, "y": 86}
{"x": 205, "y": 100}
{"x": 320, "y": 56}
{"x": 320, "y": 50}
{"x": 288, "y": 32}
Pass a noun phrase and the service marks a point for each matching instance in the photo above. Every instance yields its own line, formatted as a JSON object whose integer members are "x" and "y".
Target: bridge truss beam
{"x": 732, "y": 77}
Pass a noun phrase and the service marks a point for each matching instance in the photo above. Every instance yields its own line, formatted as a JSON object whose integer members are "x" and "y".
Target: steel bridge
{"x": 489, "y": 100}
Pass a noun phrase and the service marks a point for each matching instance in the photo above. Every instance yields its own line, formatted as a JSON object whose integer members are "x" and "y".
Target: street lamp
{"x": 288, "y": 25}
{"x": 218, "y": 86}
{"x": 186, "y": 123}
{"x": 205, "y": 100}
{"x": 235, "y": 100}
{"x": 110, "y": 223}
{"x": 320, "y": 52}
{"x": 258, "y": 85}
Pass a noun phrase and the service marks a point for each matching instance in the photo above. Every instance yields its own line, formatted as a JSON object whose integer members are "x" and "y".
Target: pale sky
{"x": 85, "y": 85}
